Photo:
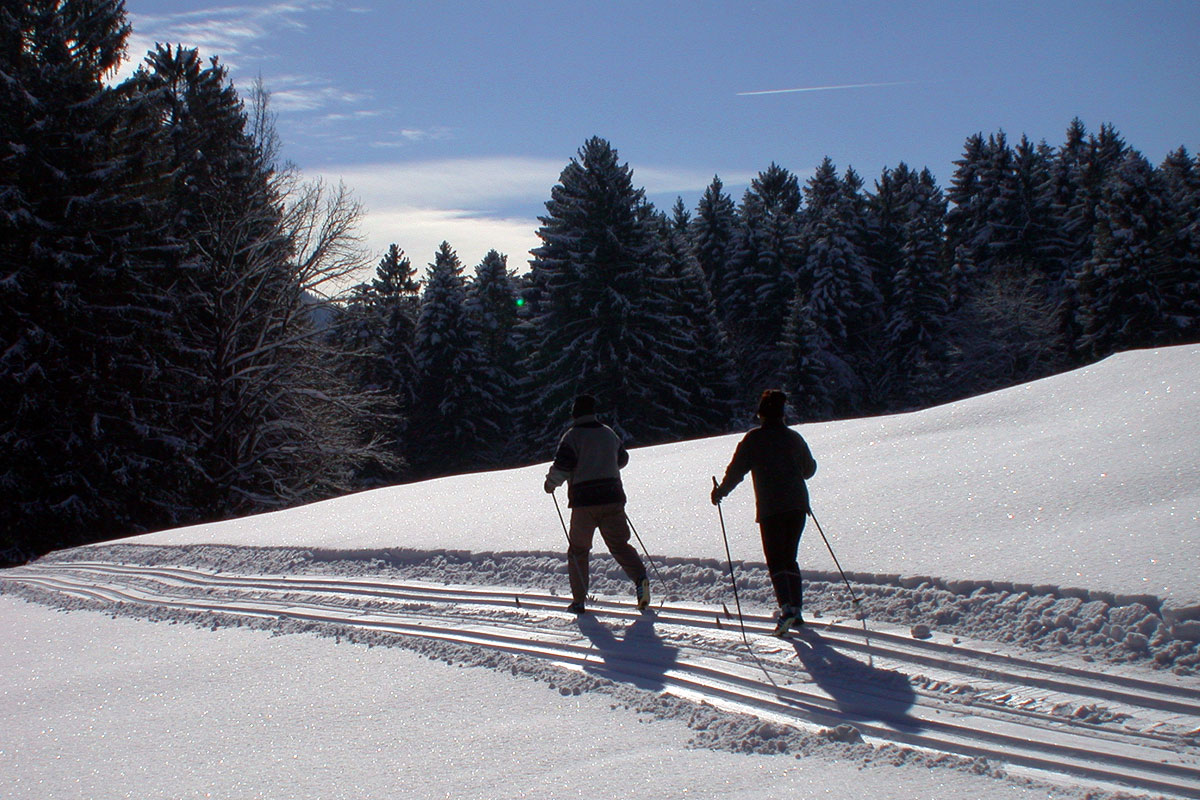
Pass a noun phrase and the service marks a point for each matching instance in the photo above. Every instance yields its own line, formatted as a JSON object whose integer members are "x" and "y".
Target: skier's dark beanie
{"x": 771, "y": 403}
{"x": 584, "y": 404}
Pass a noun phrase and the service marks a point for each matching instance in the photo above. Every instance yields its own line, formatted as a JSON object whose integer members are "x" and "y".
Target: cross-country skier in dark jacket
{"x": 589, "y": 458}
{"x": 780, "y": 462}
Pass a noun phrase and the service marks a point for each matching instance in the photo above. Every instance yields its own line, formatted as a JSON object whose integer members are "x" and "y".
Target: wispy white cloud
{"x": 291, "y": 93}
{"x": 827, "y": 88}
{"x": 231, "y": 32}
{"x": 362, "y": 113}
{"x": 666, "y": 180}
{"x": 420, "y": 231}
{"x": 463, "y": 183}
{"x": 476, "y": 204}
{"x": 408, "y": 136}
{"x": 496, "y": 182}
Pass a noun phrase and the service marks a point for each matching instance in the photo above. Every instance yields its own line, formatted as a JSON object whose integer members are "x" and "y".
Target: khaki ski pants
{"x": 614, "y": 528}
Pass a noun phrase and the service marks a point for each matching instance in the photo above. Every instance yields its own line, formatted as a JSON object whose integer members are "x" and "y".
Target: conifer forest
{"x": 172, "y": 349}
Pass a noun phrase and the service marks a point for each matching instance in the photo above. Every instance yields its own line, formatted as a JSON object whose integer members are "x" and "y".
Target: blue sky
{"x": 452, "y": 120}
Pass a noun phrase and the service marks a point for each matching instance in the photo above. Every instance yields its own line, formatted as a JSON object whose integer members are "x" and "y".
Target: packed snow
{"x": 1058, "y": 518}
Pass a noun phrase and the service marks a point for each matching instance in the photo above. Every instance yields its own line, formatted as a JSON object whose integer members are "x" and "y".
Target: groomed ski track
{"x": 1075, "y": 724}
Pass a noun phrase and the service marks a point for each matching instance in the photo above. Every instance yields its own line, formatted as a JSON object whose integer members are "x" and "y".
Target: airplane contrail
{"x": 827, "y": 88}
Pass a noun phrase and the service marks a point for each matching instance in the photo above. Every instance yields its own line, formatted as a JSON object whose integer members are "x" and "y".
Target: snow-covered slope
{"x": 1087, "y": 480}
{"x": 1026, "y": 561}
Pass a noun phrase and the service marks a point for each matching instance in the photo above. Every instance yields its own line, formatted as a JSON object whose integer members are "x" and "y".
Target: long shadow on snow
{"x": 638, "y": 656}
{"x": 861, "y": 691}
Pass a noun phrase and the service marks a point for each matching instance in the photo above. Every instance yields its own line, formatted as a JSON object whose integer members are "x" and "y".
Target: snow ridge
{"x": 1096, "y": 626}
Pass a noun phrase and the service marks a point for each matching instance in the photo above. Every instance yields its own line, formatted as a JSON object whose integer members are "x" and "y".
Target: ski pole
{"x": 853, "y": 596}
{"x": 858, "y": 606}
{"x": 732, "y": 579}
{"x": 560, "y": 518}
{"x": 653, "y": 566}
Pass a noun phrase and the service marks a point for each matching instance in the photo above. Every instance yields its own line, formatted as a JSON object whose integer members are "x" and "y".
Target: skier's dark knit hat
{"x": 584, "y": 404}
{"x": 771, "y": 403}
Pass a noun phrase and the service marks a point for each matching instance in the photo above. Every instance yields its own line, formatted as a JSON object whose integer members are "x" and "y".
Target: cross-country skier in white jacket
{"x": 589, "y": 459}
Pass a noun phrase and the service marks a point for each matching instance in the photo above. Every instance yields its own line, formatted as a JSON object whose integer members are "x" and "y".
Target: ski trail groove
{"x": 975, "y": 703}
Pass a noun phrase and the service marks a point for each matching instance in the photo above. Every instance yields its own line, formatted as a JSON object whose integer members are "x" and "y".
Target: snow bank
{"x": 1096, "y": 626}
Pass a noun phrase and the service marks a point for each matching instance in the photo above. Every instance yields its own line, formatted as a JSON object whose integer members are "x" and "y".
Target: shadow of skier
{"x": 637, "y": 657}
{"x": 861, "y": 692}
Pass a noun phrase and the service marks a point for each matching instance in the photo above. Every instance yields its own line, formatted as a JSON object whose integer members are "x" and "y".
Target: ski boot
{"x": 642, "y": 592}
{"x": 789, "y": 620}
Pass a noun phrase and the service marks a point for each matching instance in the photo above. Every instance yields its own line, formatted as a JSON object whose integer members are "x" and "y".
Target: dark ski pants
{"x": 614, "y": 528}
{"x": 780, "y": 538}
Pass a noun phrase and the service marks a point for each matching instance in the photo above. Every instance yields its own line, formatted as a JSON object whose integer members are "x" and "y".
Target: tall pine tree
{"x": 456, "y": 404}
{"x": 600, "y": 325}
{"x": 1126, "y": 286}
{"x": 375, "y": 328}
{"x": 492, "y": 305}
{"x": 763, "y": 282}
{"x": 712, "y": 236}
{"x": 708, "y": 373}
{"x": 837, "y": 289}
{"x": 85, "y": 444}
{"x": 914, "y": 334}
{"x": 1181, "y": 186}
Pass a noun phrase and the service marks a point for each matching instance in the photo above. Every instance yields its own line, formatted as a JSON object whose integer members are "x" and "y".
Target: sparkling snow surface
{"x": 1085, "y": 480}
{"x": 98, "y": 708}
{"x": 1090, "y": 479}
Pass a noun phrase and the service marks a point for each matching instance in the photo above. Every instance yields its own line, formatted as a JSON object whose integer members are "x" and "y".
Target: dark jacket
{"x": 589, "y": 457}
{"x": 779, "y": 461}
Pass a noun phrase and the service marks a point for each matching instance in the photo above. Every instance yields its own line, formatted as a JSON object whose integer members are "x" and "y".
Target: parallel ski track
{"x": 710, "y": 662}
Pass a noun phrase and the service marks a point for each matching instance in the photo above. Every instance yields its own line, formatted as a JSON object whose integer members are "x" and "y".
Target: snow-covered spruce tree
{"x": 1039, "y": 248}
{"x": 395, "y": 300}
{"x": 888, "y": 211}
{"x": 492, "y": 301}
{"x": 856, "y": 209}
{"x": 680, "y": 223}
{"x": 599, "y": 325}
{"x": 264, "y": 404}
{"x": 967, "y": 206}
{"x": 84, "y": 453}
{"x": 1125, "y": 287}
{"x": 838, "y": 290}
{"x": 712, "y": 237}
{"x": 1181, "y": 185}
{"x": 374, "y": 327}
{"x": 708, "y": 371}
{"x": 914, "y": 351}
{"x": 763, "y": 281}
{"x": 982, "y": 220}
{"x": 1035, "y": 265}
{"x": 1005, "y": 234}
{"x": 457, "y": 405}
{"x": 491, "y": 304}
{"x": 1065, "y": 192}
{"x": 811, "y": 366}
